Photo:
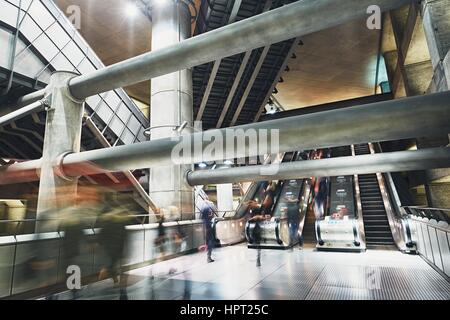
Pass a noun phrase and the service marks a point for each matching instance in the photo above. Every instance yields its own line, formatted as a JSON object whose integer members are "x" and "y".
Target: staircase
{"x": 376, "y": 223}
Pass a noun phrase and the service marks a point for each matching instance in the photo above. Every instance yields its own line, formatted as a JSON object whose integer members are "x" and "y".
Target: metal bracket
{"x": 58, "y": 168}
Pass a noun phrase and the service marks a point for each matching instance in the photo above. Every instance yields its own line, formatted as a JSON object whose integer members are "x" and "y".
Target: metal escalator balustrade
{"x": 376, "y": 223}
{"x": 338, "y": 227}
{"x": 275, "y": 233}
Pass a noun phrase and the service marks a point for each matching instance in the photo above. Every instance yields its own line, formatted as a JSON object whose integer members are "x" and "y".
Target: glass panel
{"x": 8, "y": 13}
{"x": 45, "y": 47}
{"x": 86, "y": 66}
{"x": 104, "y": 112}
{"x": 73, "y": 53}
{"x": 58, "y": 35}
{"x": 27, "y": 63}
{"x": 30, "y": 29}
{"x": 113, "y": 100}
{"x": 61, "y": 63}
{"x": 123, "y": 112}
{"x": 116, "y": 126}
{"x": 41, "y": 15}
{"x": 134, "y": 125}
{"x": 45, "y": 75}
{"x": 6, "y": 37}
{"x": 93, "y": 101}
{"x": 127, "y": 137}
{"x": 141, "y": 136}
{"x": 26, "y": 4}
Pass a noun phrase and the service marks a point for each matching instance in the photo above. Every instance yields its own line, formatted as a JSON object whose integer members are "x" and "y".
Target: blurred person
{"x": 269, "y": 199}
{"x": 207, "y": 212}
{"x": 293, "y": 219}
{"x": 160, "y": 240}
{"x": 73, "y": 220}
{"x": 321, "y": 194}
{"x": 112, "y": 239}
{"x": 257, "y": 217}
{"x": 180, "y": 240}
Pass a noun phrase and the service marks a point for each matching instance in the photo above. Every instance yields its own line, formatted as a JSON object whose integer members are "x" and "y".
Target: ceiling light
{"x": 131, "y": 10}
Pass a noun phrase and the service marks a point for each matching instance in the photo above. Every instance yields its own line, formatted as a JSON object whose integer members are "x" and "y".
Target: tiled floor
{"x": 296, "y": 275}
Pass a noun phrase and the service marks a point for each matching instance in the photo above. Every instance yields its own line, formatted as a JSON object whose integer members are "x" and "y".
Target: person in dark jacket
{"x": 112, "y": 239}
{"x": 293, "y": 218}
{"x": 207, "y": 213}
{"x": 257, "y": 217}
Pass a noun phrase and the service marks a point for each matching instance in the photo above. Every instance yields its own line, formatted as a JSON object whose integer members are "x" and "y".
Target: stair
{"x": 376, "y": 223}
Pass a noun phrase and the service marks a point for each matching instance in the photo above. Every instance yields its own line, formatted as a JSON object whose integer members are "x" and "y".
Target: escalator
{"x": 275, "y": 232}
{"x": 376, "y": 223}
{"x": 337, "y": 227}
{"x": 230, "y": 228}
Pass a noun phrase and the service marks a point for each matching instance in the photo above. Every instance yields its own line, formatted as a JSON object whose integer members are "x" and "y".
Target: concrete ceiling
{"x": 332, "y": 65}
{"x": 114, "y": 35}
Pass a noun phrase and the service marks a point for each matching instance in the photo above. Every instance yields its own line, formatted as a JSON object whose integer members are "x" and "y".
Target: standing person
{"x": 269, "y": 199}
{"x": 321, "y": 194}
{"x": 257, "y": 216}
{"x": 160, "y": 240}
{"x": 293, "y": 218}
{"x": 207, "y": 213}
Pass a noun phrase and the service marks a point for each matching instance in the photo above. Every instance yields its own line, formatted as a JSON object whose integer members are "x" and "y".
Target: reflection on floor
{"x": 291, "y": 275}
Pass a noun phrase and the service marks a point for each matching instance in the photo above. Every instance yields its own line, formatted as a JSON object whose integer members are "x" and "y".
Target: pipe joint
{"x": 59, "y": 167}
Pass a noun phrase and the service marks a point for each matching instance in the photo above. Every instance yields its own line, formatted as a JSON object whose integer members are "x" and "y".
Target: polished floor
{"x": 286, "y": 275}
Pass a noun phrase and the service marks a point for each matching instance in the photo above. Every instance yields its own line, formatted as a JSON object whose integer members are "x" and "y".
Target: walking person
{"x": 207, "y": 213}
{"x": 257, "y": 216}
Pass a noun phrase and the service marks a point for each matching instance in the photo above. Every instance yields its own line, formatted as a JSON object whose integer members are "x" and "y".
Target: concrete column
{"x": 62, "y": 136}
{"x": 171, "y": 104}
{"x": 436, "y": 22}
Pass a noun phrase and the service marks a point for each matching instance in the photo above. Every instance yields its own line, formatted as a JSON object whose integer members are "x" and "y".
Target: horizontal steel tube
{"x": 20, "y": 113}
{"x": 30, "y": 98}
{"x": 290, "y": 21}
{"x": 421, "y": 116}
{"x": 374, "y": 163}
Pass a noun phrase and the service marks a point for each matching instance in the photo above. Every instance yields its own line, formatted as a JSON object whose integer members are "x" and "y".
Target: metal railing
{"x": 18, "y": 226}
{"x": 430, "y": 213}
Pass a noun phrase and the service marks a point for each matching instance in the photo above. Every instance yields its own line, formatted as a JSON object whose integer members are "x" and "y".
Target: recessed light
{"x": 131, "y": 10}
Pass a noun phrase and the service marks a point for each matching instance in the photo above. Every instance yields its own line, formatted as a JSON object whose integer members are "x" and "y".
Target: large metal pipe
{"x": 23, "y": 112}
{"x": 382, "y": 162}
{"x": 290, "y": 21}
{"x": 420, "y": 116}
